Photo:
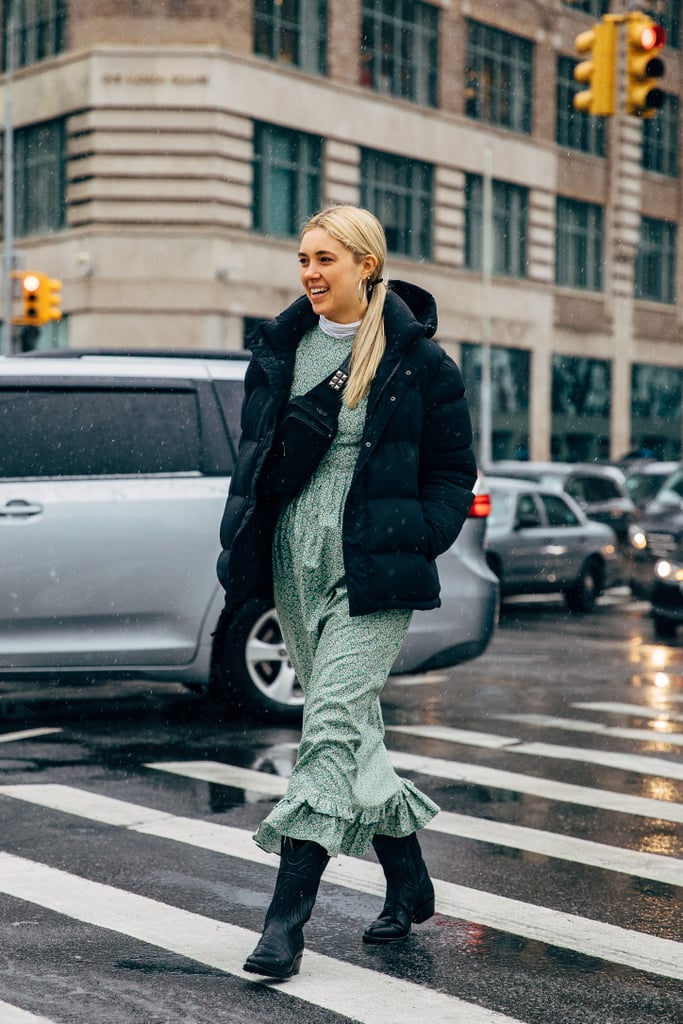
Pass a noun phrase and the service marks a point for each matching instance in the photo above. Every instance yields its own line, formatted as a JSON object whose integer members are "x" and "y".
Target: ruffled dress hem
{"x": 341, "y": 828}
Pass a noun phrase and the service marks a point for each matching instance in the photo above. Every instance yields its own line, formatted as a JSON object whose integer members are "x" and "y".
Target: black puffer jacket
{"x": 412, "y": 486}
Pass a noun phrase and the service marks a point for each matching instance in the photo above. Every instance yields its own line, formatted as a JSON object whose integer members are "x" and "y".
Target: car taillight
{"x": 480, "y": 507}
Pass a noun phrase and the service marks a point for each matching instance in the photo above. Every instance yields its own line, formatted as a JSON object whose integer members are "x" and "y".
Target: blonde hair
{"x": 363, "y": 235}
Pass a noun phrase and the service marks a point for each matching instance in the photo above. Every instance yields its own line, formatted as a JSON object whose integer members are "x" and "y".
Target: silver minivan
{"x": 113, "y": 474}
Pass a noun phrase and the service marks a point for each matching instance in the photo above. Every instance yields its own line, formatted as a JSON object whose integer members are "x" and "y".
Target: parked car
{"x": 657, "y": 543}
{"x": 644, "y": 478}
{"x": 539, "y": 541}
{"x": 599, "y": 489}
{"x": 113, "y": 474}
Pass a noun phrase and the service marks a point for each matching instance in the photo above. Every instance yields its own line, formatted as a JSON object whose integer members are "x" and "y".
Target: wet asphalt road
{"x": 555, "y": 758}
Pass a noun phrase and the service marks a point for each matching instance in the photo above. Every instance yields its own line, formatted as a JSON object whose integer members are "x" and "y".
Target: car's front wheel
{"x": 583, "y": 595}
{"x": 251, "y": 667}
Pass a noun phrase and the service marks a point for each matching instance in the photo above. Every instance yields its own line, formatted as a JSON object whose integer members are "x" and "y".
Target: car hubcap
{"x": 268, "y": 663}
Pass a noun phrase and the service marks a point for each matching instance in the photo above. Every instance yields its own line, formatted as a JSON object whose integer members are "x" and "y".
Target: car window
{"x": 527, "y": 511}
{"x": 97, "y": 431}
{"x": 558, "y": 511}
{"x": 230, "y": 394}
{"x": 642, "y": 487}
{"x": 592, "y": 488}
{"x": 501, "y": 508}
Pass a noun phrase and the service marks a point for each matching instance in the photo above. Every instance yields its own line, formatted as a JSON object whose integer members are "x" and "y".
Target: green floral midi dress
{"x": 343, "y": 789}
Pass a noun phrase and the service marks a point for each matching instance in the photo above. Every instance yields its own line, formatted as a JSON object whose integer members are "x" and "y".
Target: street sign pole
{"x": 8, "y": 193}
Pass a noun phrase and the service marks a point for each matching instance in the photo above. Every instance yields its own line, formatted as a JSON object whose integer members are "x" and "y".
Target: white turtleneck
{"x": 335, "y": 330}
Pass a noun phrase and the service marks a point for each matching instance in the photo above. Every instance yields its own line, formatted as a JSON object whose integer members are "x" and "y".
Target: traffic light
{"x": 41, "y": 298}
{"x": 644, "y": 67}
{"x": 50, "y": 303}
{"x": 30, "y": 298}
{"x": 598, "y": 71}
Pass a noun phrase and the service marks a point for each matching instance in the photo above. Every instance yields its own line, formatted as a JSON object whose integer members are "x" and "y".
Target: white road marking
{"x": 589, "y": 937}
{"x": 14, "y": 1015}
{"x": 656, "y": 867}
{"x": 643, "y": 764}
{"x": 363, "y": 995}
{"x": 638, "y": 710}
{"x": 674, "y": 739}
{"x": 25, "y": 734}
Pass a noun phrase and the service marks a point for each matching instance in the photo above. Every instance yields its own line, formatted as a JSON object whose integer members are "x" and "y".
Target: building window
{"x": 574, "y": 129}
{"x": 595, "y": 7}
{"x": 293, "y": 32}
{"x": 39, "y": 178}
{"x": 510, "y": 375}
{"x": 40, "y": 30}
{"x": 499, "y": 72}
{"x": 510, "y": 214}
{"x": 399, "y": 49}
{"x": 399, "y": 192}
{"x": 656, "y": 410}
{"x": 287, "y": 179}
{"x": 655, "y": 276}
{"x": 580, "y": 408}
{"x": 578, "y": 257}
{"x": 660, "y": 139}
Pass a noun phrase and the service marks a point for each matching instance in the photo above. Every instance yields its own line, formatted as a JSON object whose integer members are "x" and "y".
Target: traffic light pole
{"x": 8, "y": 194}
{"x": 485, "y": 416}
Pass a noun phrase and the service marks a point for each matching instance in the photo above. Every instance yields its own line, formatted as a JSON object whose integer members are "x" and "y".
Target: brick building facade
{"x": 165, "y": 153}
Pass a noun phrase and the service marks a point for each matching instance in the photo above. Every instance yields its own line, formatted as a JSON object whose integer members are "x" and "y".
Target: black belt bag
{"x": 305, "y": 432}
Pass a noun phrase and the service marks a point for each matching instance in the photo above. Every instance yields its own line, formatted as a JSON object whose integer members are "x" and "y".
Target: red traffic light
{"x": 652, "y": 37}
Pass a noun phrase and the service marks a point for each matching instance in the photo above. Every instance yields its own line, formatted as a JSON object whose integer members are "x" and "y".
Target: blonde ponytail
{"x": 368, "y": 348}
{"x": 363, "y": 235}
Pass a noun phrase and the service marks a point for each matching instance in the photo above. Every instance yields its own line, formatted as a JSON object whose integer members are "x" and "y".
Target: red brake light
{"x": 480, "y": 507}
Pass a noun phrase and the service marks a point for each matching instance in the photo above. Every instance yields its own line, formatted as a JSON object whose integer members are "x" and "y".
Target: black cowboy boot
{"x": 281, "y": 946}
{"x": 410, "y": 893}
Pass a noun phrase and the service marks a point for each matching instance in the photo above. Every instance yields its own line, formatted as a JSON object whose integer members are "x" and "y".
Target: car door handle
{"x": 20, "y": 509}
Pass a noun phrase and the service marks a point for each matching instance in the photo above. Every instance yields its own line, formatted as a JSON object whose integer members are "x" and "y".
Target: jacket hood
{"x": 409, "y": 312}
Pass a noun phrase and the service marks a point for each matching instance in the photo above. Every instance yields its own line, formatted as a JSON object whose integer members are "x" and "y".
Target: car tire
{"x": 251, "y": 668}
{"x": 582, "y": 596}
{"x": 665, "y": 629}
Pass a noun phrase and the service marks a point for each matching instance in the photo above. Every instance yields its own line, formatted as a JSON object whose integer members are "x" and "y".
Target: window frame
{"x": 39, "y": 33}
{"x": 40, "y": 171}
{"x": 303, "y": 165}
{"x": 579, "y": 246}
{"x": 504, "y": 63}
{"x": 656, "y": 261}
{"x": 298, "y": 39}
{"x": 399, "y": 49}
{"x": 400, "y": 192}
{"x": 510, "y": 226}
{"x": 661, "y": 139}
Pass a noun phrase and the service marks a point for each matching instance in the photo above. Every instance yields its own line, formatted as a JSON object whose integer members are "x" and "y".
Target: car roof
{"x": 108, "y": 364}
{"x": 559, "y": 469}
{"x": 517, "y": 484}
{"x": 654, "y": 466}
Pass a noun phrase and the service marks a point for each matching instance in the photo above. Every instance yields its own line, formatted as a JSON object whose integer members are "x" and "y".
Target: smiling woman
{"x": 347, "y": 559}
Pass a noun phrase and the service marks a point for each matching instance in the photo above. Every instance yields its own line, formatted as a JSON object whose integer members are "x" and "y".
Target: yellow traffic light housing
{"x": 50, "y": 306}
{"x": 41, "y": 298}
{"x": 644, "y": 67}
{"x": 598, "y": 71}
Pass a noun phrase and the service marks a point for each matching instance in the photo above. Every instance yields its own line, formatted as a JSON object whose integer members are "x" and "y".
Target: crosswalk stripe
{"x": 638, "y": 710}
{"x": 548, "y": 789}
{"x": 642, "y": 764}
{"x": 14, "y": 1015}
{"x": 674, "y": 739}
{"x": 363, "y": 995}
{"x": 653, "y": 866}
{"x": 583, "y": 935}
{"x": 25, "y": 734}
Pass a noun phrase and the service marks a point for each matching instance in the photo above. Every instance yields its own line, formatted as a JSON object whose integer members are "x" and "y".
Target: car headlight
{"x": 666, "y": 571}
{"x": 637, "y": 538}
